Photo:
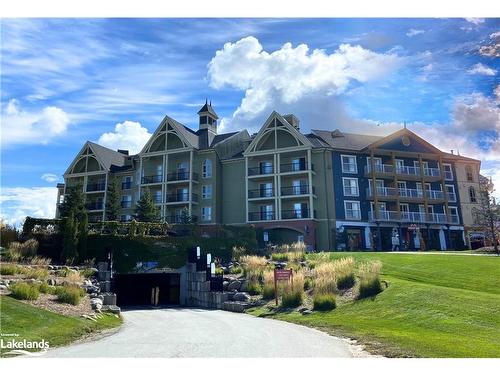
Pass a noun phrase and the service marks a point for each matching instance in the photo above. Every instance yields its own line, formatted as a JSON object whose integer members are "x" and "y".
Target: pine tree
{"x": 82, "y": 236}
{"x": 70, "y": 240}
{"x": 487, "y": 216}
{"x": 74, "y": 201}
{"x": 185, "y": 217}
{"x": 146, "y": 210}
{"x": 113, "y": 203}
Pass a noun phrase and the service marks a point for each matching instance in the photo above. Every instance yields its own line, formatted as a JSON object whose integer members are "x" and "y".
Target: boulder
{"x": 3, "y": 287}
{"x": 234, "y": 285}
{"x": 225, "y": 284}
{"x": 96, "y": 304}
{"x": 241, "y": 297}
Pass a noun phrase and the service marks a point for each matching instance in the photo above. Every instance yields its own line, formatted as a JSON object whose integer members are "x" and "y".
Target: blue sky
{"x": 65, "y": 81}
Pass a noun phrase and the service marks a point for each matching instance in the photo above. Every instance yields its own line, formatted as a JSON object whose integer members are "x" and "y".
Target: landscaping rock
{"x": 241, "y": 297}
{"x": 112, "y": 309}
{"x": 234, "y": 285}
{"x": 3, "y": 287}
{"x": 225, "y": 285}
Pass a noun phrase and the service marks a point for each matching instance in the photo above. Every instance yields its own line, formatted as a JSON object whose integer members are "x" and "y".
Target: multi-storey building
{"x": 329, "y": 189}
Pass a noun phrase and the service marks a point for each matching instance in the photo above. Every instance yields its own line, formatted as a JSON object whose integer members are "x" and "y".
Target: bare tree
{"x": 487, "y": 215}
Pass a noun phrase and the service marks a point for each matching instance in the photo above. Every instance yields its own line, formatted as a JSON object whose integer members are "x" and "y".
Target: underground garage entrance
{"x": 153, "y": 289}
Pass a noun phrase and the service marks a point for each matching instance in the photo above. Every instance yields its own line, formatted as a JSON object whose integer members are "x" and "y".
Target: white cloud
{"x": 19, "y": 202}
{"x": 475, "y": 21}
{"x": 128, "y": 135}
{"x": 482, "y": 69}
{"x": 495, "y": 35}
{"x": 476, "y": 112}
{"x": 414, "y": 32}
{"x": 50, "y": 177}
{"x": 283, "y": 77}
{"x": 32, "y": 127}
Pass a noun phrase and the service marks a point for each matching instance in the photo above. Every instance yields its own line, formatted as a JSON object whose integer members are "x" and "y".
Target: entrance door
{"x": 353, "y": 239}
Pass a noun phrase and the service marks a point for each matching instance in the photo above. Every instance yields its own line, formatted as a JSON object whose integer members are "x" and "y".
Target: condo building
{"x": 329, "y": 189}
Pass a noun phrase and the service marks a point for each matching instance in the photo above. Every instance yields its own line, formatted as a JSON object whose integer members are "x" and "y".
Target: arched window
{"x": 206, "y": 168}
{"x": 472, "y": 194}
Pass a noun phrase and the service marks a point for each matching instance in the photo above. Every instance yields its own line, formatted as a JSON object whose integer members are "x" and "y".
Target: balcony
{"x": 127, "y": 185}
{"x": 154, "y": 179}
{"x": 261, "y": 216}
{"x": 380, "y": 169}
{"x": 414, "y": 217}
{"x": 295, "y": 167}
{"x": 157, "y": 199}
{"x": 434, "y": 194}
{"x": 181, "y": 219}
{"x": 94, "y": 206}
{"x": 99, "y": 186}
{"x": 126, "y": 204}
{"x": 295, "y": 214}
{"x": 261, "y": 193}
{"x": 181, "y": 198}
{"x": 261, "y": 170}
{"x": 432, "y": 172}
{"x": 181, "y": 176}
{"x": 381, "y": 191}
{"x": 295, "y": 190}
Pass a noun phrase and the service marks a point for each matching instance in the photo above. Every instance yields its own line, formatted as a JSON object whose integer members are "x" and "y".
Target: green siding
{"x": 233, "y": 192}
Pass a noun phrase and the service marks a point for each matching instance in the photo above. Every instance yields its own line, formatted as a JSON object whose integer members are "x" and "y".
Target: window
{"x": 472, "y": 195}
{"x": 352, "y": 210}
{"x": 157, "y": 196}
{"x": 453, "y": 215}
{"x": 206, "y": 191}
{"x": 207, "y": 168}
{"x": 266, "y": 189}
{"x": 298, "y": 164}
{"x": 267, "y": 212}
{"x": 448, "y": 173}
{"x": 377, "y": 162}
{"x": 126, "y": 201}
{"x": 206, "y": 213}
{"x": 349, "y": 164}
{"x": 468, "y": 171}
{"x": 266, "y": 167}
{"x": 126, "y": 182}
{"x": 350, "y": 186}
{"x": 450, "y": 190}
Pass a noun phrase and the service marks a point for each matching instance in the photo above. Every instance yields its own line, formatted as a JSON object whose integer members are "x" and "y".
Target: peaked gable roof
{"x": 404, "y": 140}
{"x": 345, "y": 141}
{"x": 104, "y": 156}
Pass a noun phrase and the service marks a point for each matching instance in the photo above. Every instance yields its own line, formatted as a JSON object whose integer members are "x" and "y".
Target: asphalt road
{"x": 183, "y": 332}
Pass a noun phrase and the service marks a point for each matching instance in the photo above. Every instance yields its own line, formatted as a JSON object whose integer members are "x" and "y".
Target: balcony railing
{"x": 294, "y": 190}
{"x": 295, "y": 167}
{"x": 413, "y": 217}
{"x": 181, "y": 197}
{"x": 99, "y": 186}
{"x": 261, "y": 216}
{"x": 126, "y": 185}
{"x": 152, "y": 179}
{"x": 295, "y": 214}
{"x": 181, "y": 219}
{"x": 261, "y": 170}
{"x": 181, "y": 176}
{"x": 380, "y": 168}
{"x": 408, "y": 170}
{"x": 382, "y": 191}
{"x": 94, "y": 206}
{"x": 411, "y": 193}
{"x": 434, "y": 194}
{"x": 432, "y": 172}
{"x": 261, "y": 193}
{"x": 126, "y": 204}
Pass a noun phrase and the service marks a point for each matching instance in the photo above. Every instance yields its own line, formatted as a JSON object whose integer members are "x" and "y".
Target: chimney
{"x": 292, "y": 120}
{"x": 124, "y": 152}
{"x": 452, "y": 152}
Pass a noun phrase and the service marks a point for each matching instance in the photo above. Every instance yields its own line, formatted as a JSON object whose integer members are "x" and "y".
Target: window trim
{"x": 344, "y": 186}
{"x": 345, "y": 209}
{"x": 454, "y": 192}
{"x": 204, "y": 168}
{"x": 472, "y": 190}
{"x": 451, "y": 171}
{"x": 355, "y": 163}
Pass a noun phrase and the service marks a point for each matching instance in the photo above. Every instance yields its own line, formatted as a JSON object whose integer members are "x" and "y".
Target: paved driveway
{"x": 207, "y": 333}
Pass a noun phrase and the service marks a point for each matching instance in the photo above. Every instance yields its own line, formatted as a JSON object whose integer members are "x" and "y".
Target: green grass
{"x": 434, "y": 306}
{"x": 32, "y": 323}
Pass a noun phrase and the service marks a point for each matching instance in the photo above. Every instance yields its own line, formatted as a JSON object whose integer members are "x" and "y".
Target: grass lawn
{"x": 35, "y": 324}
{"x": 435, "y": 306}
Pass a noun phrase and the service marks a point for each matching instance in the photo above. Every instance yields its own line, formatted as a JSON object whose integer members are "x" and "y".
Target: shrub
{"x": 74, "y": 277}
{"x": 268, "y": 292}
{"x": 344, "y": 273}
{"x": 219, "y": 271}
{"x": 46, "y": 288}
{"x": 87, "y": 272}
{"x": 25, "y": 291}
{"x": 235, "y": 270}
{"x": 254, "y": 288}
{"x": 23, "y": 250}
{"x": 369, "y": 279}
{"x": 308, "y": 283}
{"x": 40, "y": 261}
{"x": 70, "y": 294}
{"x": 279, "y": 257}
{"x": 36, "y": 273}
{"x": 324, "y": 302}
{"x": 324, "y": 278}
{"x": 9, "y": 269}
{"x": 292, "y": 298}
{"x": 237, "y": 252}
{"x": 254, "y": 266}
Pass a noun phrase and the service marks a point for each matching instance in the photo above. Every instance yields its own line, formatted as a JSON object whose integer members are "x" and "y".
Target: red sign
{"x": 282, "y": 275}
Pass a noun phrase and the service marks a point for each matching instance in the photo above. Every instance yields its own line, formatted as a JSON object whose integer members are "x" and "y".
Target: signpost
{"x": 281, "y": 275}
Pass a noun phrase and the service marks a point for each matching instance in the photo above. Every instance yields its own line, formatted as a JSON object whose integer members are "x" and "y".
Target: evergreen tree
{"x": 74, "y": 201}
{"x": 185, "y": 217}
{"x": 487, "y": 216}
{"x": 113, "y": 203}
{"x": 70, "y": 240}
{"x": 83, "y": 224}
{"x": 146, "y": 210}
